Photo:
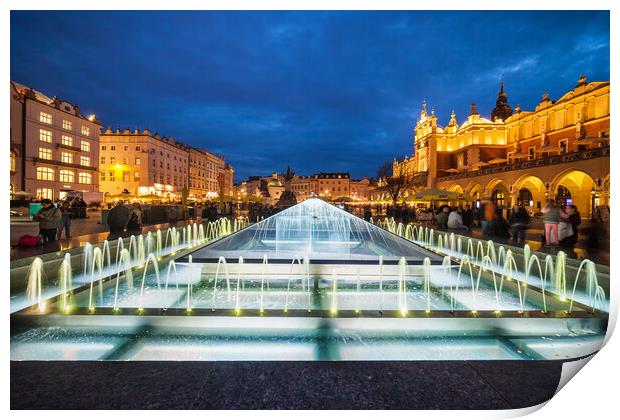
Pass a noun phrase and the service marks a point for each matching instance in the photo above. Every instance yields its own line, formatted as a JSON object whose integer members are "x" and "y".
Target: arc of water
{"x": 97, "y": 264}
{"x": 221, "y": 261}
{"x": 190, "y": 287}
{"x": 124, "y": 265}
{"x": 239, "y": 281}
{"x": 595, "y": 293}
{"x": 35, "y": 283}
{"x": 153, "y": 260}
{"x": 426, "y": 264}
{"x": 65, "y": 276}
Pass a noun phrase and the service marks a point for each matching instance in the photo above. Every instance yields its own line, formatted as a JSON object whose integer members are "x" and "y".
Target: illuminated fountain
{"x": 310, "y": 277}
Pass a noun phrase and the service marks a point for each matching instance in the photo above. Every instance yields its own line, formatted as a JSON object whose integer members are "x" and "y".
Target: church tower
{"x": 502, "y": 110}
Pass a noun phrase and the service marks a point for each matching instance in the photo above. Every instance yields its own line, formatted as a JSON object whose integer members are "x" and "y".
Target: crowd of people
{"x": 561, "y": 223}
{"x": 55, "y": 219}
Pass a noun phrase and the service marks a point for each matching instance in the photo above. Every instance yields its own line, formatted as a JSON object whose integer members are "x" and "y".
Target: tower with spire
{"x": 502, "y": 110}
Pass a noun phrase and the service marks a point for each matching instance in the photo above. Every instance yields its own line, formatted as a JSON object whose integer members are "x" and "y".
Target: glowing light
{"x": 118, "y": 166}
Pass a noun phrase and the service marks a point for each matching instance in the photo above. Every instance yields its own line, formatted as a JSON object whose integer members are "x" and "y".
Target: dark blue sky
{"x": 321, "y": 91}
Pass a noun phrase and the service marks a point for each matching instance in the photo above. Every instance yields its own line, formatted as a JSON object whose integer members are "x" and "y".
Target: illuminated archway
{"x": 536, "y": 188}
{"x": 498, "y": 191}
{"x": 581, "y": 188}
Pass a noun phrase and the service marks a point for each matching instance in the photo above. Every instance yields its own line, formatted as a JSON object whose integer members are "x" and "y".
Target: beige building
{"x": 54, "y": 148}
{"x": 198, "y": 166}
{"x": 142, "y": 163}
{"x": 300, "y": 186}
{"x": 330, "y": 185}
{"x": 559, "y": 150}
{"x": 360, "y": 189}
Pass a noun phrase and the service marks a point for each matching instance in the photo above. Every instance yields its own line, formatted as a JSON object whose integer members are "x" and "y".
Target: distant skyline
{"x": 319, "y": 91}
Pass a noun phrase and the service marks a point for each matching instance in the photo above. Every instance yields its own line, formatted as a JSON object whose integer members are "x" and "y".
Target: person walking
{"x": 551, "y": 220}
{"x": 468, "y": 216}
{"x": 572, "y": 217}
{"x": 518, "y": 221}
{"x": 488, "y": 216}
{"x": 65, "y": 220}
{"x": 48, "y": 217}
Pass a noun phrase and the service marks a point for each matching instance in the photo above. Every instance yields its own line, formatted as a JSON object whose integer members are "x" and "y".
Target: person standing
{"x": 468, "y": 216}
{"x": 118, "y": 218}
{"x": 134, "y": 225}
{"x": 48, "y": 217}
{"x": 551, "y": 219}
{"x": 488, "y": 216}
{"x": 573, "y": 218}
{"x": 65, "y": 220}
{"x": 518, "y": 221}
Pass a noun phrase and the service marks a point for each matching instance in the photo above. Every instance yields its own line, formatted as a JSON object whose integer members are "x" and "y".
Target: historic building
{"x": 54, "y": 148}
{"x": 142, "y": 163}
{"x": 559, "y": 150}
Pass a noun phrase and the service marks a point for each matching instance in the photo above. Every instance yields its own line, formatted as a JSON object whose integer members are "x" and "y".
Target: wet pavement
{"x": 283, "y": 385}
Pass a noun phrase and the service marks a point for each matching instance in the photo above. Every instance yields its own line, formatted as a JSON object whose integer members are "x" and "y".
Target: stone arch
{"x": 497, "y": 190}
{"x": 535, "y": 186}
{"x": 456, "y": 188}
{"x": 581, "y": 186}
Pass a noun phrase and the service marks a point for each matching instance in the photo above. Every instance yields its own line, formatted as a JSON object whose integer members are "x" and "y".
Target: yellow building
{"x": 142, "y": 163}
{"x": 559, "y": 150}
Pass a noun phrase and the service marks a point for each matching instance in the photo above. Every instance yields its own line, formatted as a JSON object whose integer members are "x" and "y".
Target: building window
{"x": 67, "y": 125}
{"x": 84, "y": 160}
{"x": 103, "y": 160}
{"x": 85, "y": 178}
{"x": 125, "y": 176}
{"x": 45, "y": 174}
{"x": 46, "y": 118}
{"x": 85, "y": 146}
{"x": 111, "y": 175}
{"x": 112, "y": 147}
{"x": 103, "y": 147}
{"x": 85, "y": 131}
{"x": 44, "y": 193}
{"x": 125, "y": 148}
{"x": 45, "y": 153}
{"x": 138, "y": 148}
{"x": 530, "y": 153}
{"x": 66, "y": 157}
{"x": 125, "y": 161}
{"x": 112, "y": 160}
{"x": 136, "y": 176}
{"x": 66, "y": 175}
{"x": 45, "y": 135}
{"x": 67, "y": 140}
{"x": 102, "y": 176}
{"x": 137, "y": 161}
{"x": 563, "y": 146}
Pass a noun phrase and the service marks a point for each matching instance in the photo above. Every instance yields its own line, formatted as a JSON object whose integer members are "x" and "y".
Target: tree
{"x": 393, "y": 180}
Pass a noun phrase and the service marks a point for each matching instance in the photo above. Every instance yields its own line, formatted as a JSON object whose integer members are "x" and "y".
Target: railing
{"x": 59, "y": 163}
{"x": 535, "y": 163}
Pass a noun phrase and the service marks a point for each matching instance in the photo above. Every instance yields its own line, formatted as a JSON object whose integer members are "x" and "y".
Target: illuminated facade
{"x": 54, "y": 148}
{"x": 142, "y": 163}
{"x": 559, "y": 150}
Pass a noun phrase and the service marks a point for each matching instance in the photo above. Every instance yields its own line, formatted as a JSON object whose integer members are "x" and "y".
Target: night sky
{"x": 319, "y": 91}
